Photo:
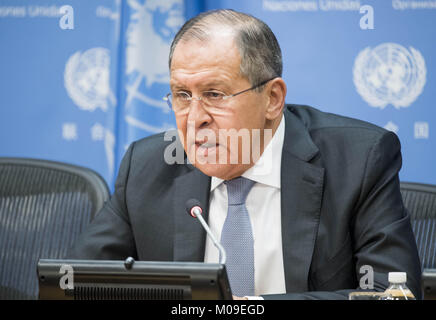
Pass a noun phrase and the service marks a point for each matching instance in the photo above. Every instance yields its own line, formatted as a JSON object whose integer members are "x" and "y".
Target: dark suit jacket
{"x": 341, "y": 208}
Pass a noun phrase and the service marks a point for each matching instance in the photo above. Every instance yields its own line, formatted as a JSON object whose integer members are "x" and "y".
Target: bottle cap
{"x": 397, "y": 277}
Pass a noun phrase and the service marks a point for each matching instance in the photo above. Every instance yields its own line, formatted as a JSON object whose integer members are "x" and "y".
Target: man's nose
{"x": 198, "y": 114}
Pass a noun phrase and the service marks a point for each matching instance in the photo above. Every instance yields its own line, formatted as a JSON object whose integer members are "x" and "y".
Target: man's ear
{"x": 277, "y": 93}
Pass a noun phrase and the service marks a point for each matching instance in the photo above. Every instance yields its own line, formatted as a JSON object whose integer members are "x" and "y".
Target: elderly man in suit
{"x": 300, "y": 199}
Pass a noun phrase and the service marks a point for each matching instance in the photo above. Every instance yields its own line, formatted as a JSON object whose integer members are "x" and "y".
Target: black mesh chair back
{"x": 420, "y": 201}
{"x": 44, "y": 206}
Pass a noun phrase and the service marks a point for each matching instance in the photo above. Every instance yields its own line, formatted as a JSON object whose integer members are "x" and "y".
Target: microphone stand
{"x": 223, "y": 256}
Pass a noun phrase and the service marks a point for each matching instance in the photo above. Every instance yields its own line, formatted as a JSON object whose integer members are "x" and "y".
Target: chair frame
{"x": 99, "y": 194}
{"x": 422, "y": 187}
{"x": 94, "y": 179}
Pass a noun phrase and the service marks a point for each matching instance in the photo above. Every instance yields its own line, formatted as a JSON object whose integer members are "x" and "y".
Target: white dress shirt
{"x": 264, "y": 208}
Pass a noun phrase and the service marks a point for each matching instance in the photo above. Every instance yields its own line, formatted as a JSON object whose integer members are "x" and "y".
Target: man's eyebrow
{"x": 204, "y": 86}
{"x": 177, "y": 86}
{"x": 215, "y": 83}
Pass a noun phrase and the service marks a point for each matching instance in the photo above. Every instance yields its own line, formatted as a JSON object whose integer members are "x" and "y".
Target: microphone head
{"x": 192, "y": 204}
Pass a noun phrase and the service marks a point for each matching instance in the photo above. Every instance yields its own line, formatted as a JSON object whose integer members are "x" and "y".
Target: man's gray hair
{"x": 261, "y": 57}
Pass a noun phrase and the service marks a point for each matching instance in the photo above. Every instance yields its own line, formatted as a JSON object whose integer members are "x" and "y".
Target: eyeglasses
{"x": 212, "y": 100}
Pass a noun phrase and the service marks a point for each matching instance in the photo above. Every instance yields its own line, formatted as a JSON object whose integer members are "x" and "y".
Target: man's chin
{"x": 222, "y": 171}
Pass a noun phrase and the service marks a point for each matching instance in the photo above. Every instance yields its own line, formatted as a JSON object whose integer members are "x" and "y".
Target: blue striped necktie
{"x": 237, "y": 238}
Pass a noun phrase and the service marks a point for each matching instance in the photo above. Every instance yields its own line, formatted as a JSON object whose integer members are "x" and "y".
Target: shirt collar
{"x": 268, "y": 168}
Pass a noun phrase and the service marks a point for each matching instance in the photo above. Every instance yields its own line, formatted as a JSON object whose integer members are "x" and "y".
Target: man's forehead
{"x": 194, "y": 56}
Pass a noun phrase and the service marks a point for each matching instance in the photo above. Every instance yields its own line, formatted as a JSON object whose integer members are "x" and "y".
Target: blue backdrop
{"x": 81, "y": 80}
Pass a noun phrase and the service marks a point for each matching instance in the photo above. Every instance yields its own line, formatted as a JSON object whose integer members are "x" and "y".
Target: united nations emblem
{"x": 86, "y": 79}
{"x": 389, "y": 74}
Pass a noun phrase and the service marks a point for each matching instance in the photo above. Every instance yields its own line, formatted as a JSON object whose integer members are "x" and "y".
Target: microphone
{"x": 193, "y": 207}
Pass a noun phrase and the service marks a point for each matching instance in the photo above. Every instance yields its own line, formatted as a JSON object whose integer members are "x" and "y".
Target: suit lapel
{"x": 189, "y": 235}
{"x": 301, "y": 194}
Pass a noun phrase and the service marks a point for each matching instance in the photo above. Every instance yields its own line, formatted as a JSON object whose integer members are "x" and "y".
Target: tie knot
{"x": 238, "y": 189}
